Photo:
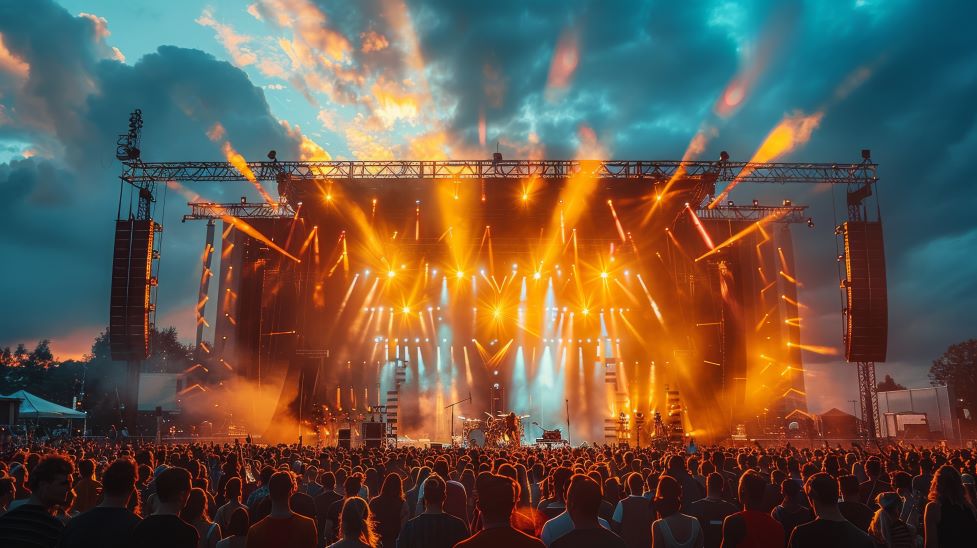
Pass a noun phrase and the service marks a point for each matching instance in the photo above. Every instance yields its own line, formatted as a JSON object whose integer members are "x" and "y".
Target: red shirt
{"x": 502, "y": 536}
{"x": 762, "y": 531}
{"x": 295, "y": 531}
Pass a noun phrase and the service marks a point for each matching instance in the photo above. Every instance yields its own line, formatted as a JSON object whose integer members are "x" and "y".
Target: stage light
{"x": 627, "y": 272}
{"x": 430, "y": 308}
{"x": 366, "y": 272}
{"x": 328, "y": 197}
{"x": 537, "y": 275}
{"x": 810, "y": 222}
{"x": 525, "y": 197}
{"x": 434, "y": 271}
{"x": 417, "y": 340}
{"x": 405, "y": 310}
{"x": 787, "y": 203}
{"x": 515, "y": 266}
{"x": 603, "y": 275}
{"x": 497, "y": 313}
{"x": 730, "y": 203}
{"x": 658, "y": 198}
{"x": 459, "y": 274}
{"x": 391, "y": 273}
{"x": 756, "y": 203}
{"x": 585, "y": 311}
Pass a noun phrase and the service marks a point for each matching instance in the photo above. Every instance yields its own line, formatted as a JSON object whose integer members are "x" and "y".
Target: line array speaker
{"x": 867, "y": 326}
{"x": 131, "y": 284}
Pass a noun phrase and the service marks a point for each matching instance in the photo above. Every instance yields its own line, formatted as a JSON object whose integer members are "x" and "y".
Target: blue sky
{"x": 442, "y": 78}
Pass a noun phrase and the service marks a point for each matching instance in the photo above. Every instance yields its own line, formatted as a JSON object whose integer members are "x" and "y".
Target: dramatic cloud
{"x": 441, "y": 78}
{"x": 56, "y": 212}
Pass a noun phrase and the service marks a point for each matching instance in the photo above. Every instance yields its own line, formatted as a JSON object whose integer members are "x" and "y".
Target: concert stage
{"x": 583, "y": 295}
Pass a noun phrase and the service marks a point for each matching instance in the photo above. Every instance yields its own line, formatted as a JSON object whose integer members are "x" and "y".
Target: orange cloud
{"x": 12, "y": 64}
{"x": 566, "y": 57}
{"x": 100, "y": 23}
{"x": 309, "y": 150}
{"x": 391, "y": 103}
{"x": 373, "y": 41}
{"x": 234, "y": 43}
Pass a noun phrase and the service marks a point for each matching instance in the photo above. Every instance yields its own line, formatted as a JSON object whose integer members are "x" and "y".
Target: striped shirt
{"x": 432, "y": 531}
{"x": 29, "y": 526}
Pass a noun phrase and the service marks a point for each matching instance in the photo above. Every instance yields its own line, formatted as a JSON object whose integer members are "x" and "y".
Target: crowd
{"x": 118, "y": 494}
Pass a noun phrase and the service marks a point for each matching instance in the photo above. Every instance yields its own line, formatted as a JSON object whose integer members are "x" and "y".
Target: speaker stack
{"x": 131, "y": 285}
{"x": 866, "y": 329}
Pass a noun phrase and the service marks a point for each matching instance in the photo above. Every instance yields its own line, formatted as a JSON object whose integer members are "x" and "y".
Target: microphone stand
{"x": 452, "y": 407}
{"x": 568, "y": 423}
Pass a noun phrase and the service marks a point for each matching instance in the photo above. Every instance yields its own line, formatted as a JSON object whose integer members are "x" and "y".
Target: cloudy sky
{"x": 443, "y": 78}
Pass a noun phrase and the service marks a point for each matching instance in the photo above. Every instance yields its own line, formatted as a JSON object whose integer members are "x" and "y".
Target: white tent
{"x": 33, "y": 407}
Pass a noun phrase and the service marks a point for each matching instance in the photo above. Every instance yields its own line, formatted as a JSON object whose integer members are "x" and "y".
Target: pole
{"x": 568, "y": 422}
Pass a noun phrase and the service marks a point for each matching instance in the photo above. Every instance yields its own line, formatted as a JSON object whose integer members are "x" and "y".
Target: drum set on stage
{"x": 502, "y": 430}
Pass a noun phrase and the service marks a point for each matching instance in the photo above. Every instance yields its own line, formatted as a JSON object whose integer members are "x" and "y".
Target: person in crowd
{"x": 851, "y": 505}
{"x": 195, "y": 513}
{"x": 433, "y": 528}
{"x": 789, "y": 513}
{"x": 389, "y": 509}
{"x": 6, "y": 494}
{"x": 236, "y": 529}
{"x": 87, "y": 488}
{"x": 673, "y": 529}
{"x": 356, "y": 525}
{"x": 310, "y": 483}
{"x": 633, "y": 514}
{"x": 351, "y": 488}
{"x": 31, "y": 523}
{"x": 261, "y": 492}
{"x": 164, "y": 528}
{"x": 555, "y": 504}
{"x": 691, "y": 489}
{"x": 903, "y": 485}
{"x": 712, "y": 510}
{"x": 414, "y": 493}
{"x": 887, "y": 527}
{"x": 562, "y": 524}
{"x": 583, "y": 501}
{"x": 232, "y": 494}
{"x": 921, "y": 485}
{"x": 109, "y": 524}
{"x": 829, "y": 528}
{"x": 496, "y": 501}
{"x": 324, "y": 501}
{"x": 875, "y": 484}
{"x": 948, "y": 520}
{"x": 752, "y": 527}
{"x": 282, "y": 527}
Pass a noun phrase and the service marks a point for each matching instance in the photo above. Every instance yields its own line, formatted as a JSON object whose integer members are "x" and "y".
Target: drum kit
{"x": 491, "y": 431}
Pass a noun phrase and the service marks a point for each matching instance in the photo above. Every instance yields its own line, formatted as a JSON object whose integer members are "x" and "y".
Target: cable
{"x": 841, "y": 294}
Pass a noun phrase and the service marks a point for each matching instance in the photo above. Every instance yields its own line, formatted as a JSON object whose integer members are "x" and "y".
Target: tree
{"x": 889, "y": 384}
{"x": 957, "y": 368}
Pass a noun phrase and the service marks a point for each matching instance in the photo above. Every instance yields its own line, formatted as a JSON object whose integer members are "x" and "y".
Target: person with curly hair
{"x": 948, "y": 519}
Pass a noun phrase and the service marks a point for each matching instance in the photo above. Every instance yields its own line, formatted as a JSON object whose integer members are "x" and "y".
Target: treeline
{"x": 96, "y": 381}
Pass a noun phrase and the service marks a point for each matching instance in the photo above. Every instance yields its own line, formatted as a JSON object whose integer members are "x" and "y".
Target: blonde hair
{"x": 890, "y": 504}
{"x": 355, "y": 521}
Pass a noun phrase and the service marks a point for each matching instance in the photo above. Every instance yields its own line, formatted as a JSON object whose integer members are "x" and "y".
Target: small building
{"x": 836, "y": 424}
